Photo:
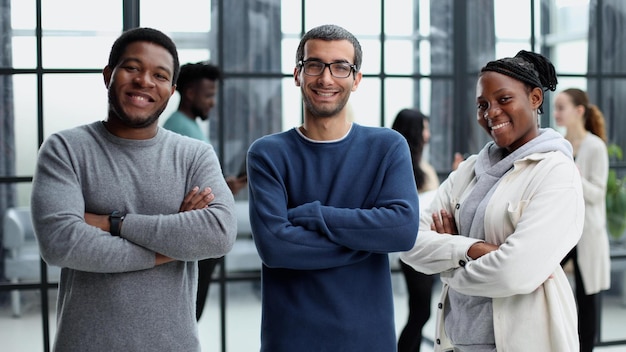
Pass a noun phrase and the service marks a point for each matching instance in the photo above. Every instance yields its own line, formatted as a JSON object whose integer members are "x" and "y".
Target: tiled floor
{"x": 243, "y": 320}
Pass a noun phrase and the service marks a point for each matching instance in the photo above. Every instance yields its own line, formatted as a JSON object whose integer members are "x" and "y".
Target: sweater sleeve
{"x": 191, "y": 235}
{"x": 279, "y": 243}
{"x": 68, "y": 183}
{"x": 433, "y": 252}
{"x": 58, "y": 208}
{"x": 314, "y": 235}
{"x": 390, "y": 225}
{"x": 550, "y": 224}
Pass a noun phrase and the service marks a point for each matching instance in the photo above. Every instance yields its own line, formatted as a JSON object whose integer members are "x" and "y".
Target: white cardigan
{"x": 593, "y": 248}
{"x": 536, "y": 216}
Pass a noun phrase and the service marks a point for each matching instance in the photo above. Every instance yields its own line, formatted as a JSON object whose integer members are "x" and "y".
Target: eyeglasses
{"x": 316, "y": 68}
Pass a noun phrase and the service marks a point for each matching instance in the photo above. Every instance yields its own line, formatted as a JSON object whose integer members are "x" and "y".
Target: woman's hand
{"x": 443, "y": 222}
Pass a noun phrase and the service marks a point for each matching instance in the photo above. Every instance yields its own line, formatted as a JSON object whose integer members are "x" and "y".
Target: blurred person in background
{"x": 414, "y": 126}
{"x": 584, "y": 124}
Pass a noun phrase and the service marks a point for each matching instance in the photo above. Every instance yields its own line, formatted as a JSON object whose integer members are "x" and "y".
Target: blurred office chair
{"x": 22, "y": 259}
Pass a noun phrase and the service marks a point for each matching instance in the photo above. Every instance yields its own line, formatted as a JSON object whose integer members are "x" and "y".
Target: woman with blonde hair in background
{"x": 586, "y": 132}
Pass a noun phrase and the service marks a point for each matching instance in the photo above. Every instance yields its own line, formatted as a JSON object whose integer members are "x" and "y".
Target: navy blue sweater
{"x": 324, "y": 216}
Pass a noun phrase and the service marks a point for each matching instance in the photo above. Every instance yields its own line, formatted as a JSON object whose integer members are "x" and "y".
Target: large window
{"x": 423, "y": 54}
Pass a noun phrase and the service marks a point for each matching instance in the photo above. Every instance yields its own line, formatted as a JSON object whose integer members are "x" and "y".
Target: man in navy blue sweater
{"x": 328, "y": 201}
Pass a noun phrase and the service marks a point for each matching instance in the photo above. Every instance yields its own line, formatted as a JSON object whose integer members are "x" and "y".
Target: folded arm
{"x": 195, "y": 199}
{"x": 549, "y": 226}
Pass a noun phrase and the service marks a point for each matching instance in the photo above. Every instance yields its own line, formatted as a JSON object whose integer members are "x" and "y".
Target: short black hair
{"x": 330, "y": 32}
{"x": 143, "y": 34}
{"x": 193, "y": 72}
{"x": 532, "y": 69}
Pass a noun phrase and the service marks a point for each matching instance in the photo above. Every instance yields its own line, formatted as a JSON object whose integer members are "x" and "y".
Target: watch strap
{"x": 115, "y": 221}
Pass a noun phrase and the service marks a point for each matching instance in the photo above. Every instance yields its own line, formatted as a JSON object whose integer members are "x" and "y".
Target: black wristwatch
{"x": 115, "y": 221}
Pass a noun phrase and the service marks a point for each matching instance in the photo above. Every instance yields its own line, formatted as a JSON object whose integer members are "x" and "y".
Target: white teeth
{"x": 325, "y": 94}
{"x": 139, "y": 97}
{"x": 499, "y": 126}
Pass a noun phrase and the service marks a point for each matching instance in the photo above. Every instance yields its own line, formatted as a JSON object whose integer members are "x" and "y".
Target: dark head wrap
{"x": 535, "y": 70}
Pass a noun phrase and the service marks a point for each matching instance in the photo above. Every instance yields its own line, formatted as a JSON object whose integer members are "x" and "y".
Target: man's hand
{"x": 197, "y": 199}
{"x": 458, "y": 158}
{"x": 99, "y": 221}
{"x": 161, "y": 259}
{"x": 236, "y": 183}
{"x": 443, "y": 222}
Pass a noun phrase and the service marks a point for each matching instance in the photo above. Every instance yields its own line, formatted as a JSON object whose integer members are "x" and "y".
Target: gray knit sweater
{"x": 111, "y": 295}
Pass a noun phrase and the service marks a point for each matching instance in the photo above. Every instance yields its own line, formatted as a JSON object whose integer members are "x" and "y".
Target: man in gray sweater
{"x": 127, "y": 208}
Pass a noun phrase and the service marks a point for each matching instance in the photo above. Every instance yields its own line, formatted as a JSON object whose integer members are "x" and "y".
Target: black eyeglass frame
{"x": 327, "y": 64}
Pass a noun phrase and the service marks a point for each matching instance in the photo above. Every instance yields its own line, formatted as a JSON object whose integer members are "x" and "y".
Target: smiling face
{"x": 202, "y": 96}
{"x": 324, "y": 95}
{"x": 140, "y": 86}
{"x": 507, "y": 109}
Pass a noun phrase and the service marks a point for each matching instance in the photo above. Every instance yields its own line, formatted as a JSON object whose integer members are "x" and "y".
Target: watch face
{"x": 116, "y": 214}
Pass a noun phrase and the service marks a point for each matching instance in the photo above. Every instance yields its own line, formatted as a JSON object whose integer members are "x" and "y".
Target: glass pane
{"x": 185, "y": 16}
{"x": 24, "y": 52}
{"x": 290, "y": 17}
{"x": 344, "y": 13}
{"x": 100, "y": 16}
{"x": 570, "y": 17}
{"x": 288, "y": 49}
{"x": 512, "y": 19}
{"x": 25, "y": 105}
{"x": 400, "y": 18}
{"x": 93, "y": 53}
{"x": 243, "y": 317}
{"x": 371, "y": 55}
{"x": 251, "y": 108}
{"x": 22, "y": 14}
{"x": 441, "y": 121}
{"x": 25, "y": 333}
{"x": 252, "y": 36}
{"x": 425, "y": 57}
{"x": 614, "y": 300}
{"x": 291, "y": 104}
{"x": 365, "y": 102}
{"x": 193, "y": 55}
{"x": 21, "y": 35}
{"x": 612, "y": 104}
{"x": 399, "y": 94}
{"x": 401, "y": 57}
{"x": 570, "y": 57}
{"x": 508, "y": 49}
{"x": 244, "y": 305}
{"x": 71, "y": 100}
{"x": 441, "y": 37}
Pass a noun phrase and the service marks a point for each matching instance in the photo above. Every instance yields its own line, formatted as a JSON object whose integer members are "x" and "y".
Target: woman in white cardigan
{"x": 585, "y": 130}
{"x": 501, "y": 223}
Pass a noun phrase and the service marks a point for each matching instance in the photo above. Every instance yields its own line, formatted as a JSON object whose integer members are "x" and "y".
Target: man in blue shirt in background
{"x": 197, "y": 86}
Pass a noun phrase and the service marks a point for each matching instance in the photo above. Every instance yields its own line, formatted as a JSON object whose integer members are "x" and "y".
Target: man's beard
{"x": 117, "y": 109}
{"x": 199, "y": 113}
{"x": 323, "y": 112}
